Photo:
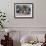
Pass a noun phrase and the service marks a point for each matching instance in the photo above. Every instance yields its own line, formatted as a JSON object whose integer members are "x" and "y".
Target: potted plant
{"x": 2, "y": 19}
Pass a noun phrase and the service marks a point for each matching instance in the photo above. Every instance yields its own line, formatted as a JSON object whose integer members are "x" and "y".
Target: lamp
{"x": 7, "y": 31}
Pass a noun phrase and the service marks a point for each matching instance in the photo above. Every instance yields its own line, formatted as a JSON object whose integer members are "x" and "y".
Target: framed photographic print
{"x": 23, "y": 10}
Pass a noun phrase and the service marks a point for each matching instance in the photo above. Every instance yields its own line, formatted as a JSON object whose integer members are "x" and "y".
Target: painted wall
{"x": 39, "y": 13}
{"x": 38, "y": 23}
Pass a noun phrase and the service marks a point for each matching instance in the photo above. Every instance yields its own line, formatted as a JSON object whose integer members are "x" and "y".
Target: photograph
{"x": 23, "y": 10}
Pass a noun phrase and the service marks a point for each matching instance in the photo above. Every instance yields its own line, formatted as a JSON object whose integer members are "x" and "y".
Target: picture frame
{"x": 23, "y": 10}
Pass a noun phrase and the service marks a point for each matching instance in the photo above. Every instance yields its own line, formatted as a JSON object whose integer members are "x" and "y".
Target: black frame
{"x": 23, "y": 3}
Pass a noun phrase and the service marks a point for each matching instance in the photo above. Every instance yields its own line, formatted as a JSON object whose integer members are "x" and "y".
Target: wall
{"x": 39, "y": 13}
{"x": 38, "y": 23}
